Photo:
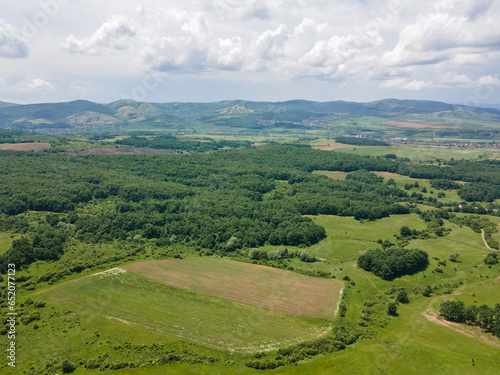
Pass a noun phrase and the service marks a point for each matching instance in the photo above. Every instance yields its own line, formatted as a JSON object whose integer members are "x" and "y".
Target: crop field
{"x": 132, "y": 302}
{"x": 32, "y": 146}
{"x": 414, "y": 125}
{"x": 332, "y": 146}
{"x": 423, "y": 153}
{"x": 265, "y": 287}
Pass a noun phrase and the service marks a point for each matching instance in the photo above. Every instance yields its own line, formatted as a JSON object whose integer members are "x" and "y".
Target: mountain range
{"x": 123, "y": 114}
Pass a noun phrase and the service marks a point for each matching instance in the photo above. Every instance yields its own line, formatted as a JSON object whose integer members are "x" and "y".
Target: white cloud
{"x": 39, "y": 84}
{"x": 404, "y": 84}
{"x": 421, "y": 47}
{"x": 113, "y": 34}
{"x": 435, "y": 38}
{"x": 228, "y": 54}
{"x": 239, "y": 9}
{"x": 12, "y": 46}
{"x": 468, "y": 8}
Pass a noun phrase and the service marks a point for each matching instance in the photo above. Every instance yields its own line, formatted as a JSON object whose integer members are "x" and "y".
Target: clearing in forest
{"x": 273, "y": 289}
{"x": 414, "y": 125}
{"x": 32, "y": 146}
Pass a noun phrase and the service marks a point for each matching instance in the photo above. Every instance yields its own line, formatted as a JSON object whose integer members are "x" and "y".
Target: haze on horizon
{"x": 262, "y": 50}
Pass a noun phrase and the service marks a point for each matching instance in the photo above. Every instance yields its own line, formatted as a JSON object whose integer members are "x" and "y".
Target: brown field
{"x": 119, "y": 151}
{"x": 414, "y": 125}
{"x": 336, "y": 175}
{"x": 395, "y": 175}
{"x": 201, "y": 140}
{"x": 258, "y": 144}
{"x": 332, "y": 146}
{"x": 35, "y": 146}
{"x": 265, "y": 287}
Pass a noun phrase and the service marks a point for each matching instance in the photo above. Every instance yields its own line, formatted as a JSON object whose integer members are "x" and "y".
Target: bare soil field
{"x": 258, "y": 144}
{"x": 336, "y": 175}
{"x": 332, "y": 146}
{"x": 261, "y": 286}
{"x": 119, "y": 151}
{"x": 35, "y": 146}
{"x": 395, "y": 175}
{"x": 414, "y": 125}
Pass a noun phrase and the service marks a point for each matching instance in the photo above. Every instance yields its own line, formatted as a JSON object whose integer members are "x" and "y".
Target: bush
{"x": 427, "y": 291}
{"x": 392, "y": 309}
{"x": 402, "y": 297}
{"x": 67, "y": 367}
{"x": 491, "y": 259}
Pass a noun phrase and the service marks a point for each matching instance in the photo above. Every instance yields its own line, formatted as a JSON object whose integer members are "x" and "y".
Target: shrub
{"x": 402, "y": 297}
{"x": 67, "y": 367}
{"x": 392, "y": 309}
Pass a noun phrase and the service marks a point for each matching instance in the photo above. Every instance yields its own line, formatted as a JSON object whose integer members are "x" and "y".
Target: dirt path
{"x": 474, "y": 332}
{"x": 484, "y": 240}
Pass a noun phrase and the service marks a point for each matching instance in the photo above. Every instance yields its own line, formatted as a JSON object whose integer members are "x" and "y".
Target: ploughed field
{"x": 218, "y": 303}
{"x": 261, "y": 286}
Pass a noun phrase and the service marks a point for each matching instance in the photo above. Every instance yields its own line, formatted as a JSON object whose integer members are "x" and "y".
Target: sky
{"x": 261, "y": 50}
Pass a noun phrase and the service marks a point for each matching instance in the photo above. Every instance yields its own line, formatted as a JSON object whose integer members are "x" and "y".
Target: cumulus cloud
{"x": 112, "y": 35}
{"x": 436, "y": 37}
{"x": 239, "y": 9}
{"x": 468, "y": 8}
{"x": 12, "y": 46}
{"x": 395, "y": 48}
{"x": 39, "y": 84}
{"x": 176, "y": 41}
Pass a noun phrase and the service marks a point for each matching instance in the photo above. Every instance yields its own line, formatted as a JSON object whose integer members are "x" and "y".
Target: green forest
{"x": 400, "y": 235}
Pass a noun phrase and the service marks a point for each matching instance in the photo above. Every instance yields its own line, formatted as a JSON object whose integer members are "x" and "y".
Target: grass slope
{"x": 132, "y": 301}
{"x": 266, "y": 287}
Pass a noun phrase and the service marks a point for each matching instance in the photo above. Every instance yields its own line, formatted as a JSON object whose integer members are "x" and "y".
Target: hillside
{"x": 297, "y": 115}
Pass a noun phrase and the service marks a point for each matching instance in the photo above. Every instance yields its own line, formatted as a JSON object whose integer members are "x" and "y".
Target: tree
{"x": 454, "y": 257}
{"x": 485, "y": 316}
{"x": 453, "y": 311}
{"x": 402, "y": 297}
{"x": 256, "y": 254}
{"x": 427, "y": 291}
{"x": 405, "y": 231}
{"x": 67, "y": 367}
{"x": 491, "y": 259}
{"x": 392, "y": 309}
{"x": 470, "y": 314}
{"x": 232, "y": 244}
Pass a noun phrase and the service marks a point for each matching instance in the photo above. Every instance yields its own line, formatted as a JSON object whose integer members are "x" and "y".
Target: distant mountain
{"x": 128, "y": 114}
{"x": 4, "y": 104}
{"x": 489, "y": 105}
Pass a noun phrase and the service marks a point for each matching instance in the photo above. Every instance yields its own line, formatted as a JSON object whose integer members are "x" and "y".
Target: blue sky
{"x": 193, "y": 50}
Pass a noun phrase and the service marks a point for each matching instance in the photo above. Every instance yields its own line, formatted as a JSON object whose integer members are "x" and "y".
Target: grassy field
{"x": 423, "y": 153}
{"x": 118, "y": 316}
{"x": 401, "y": 181}
{"x": 5, "y": 242}
{"x": 117, "y": 307}
{"x": 265, "y": 287}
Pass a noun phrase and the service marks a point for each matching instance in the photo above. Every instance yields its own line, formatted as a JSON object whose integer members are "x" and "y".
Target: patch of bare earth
{"x": 34, "y": 146}
{"x": 119, "y": 151}
{"x": 261, "y": 286}
{"x": 258, "y": 144}
{"x": 414, "y": 125}
{"x": 332, "y": 146}
{"x": 475, "y": 332}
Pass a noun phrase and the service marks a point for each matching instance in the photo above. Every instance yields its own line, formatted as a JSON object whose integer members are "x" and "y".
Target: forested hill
{"x": 85, "y": 115}
{"x": 221, "y": 200}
